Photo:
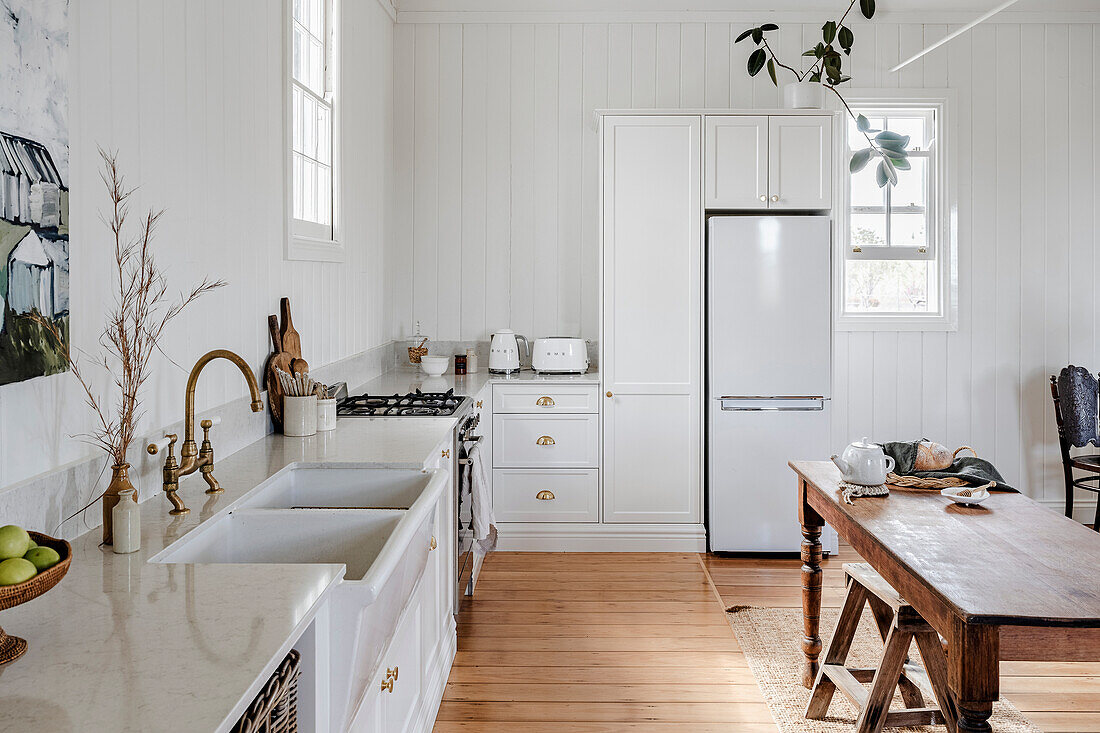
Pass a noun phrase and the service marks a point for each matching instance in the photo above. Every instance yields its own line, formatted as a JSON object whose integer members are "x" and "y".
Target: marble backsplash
{"x": 43, "y": 502}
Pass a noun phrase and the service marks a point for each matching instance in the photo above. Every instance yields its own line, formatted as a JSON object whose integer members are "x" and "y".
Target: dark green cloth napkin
{"x": 975, "y": 471}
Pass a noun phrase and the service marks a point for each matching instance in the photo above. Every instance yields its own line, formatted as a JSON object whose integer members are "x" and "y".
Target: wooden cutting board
{"x": 279, "y": 359}
{"x": 292, "y": 342}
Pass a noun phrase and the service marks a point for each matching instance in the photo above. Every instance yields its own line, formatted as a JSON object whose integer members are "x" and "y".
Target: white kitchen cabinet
{"x": 800, "y": 155}
{"x": 736, "y": 171}
{"x": 652, "y": 319}
{"x": 547, "y": 441}
{"x": 546, "y": 495}
{"x": 546, "y": 399}
{"x": 777, "y": 162}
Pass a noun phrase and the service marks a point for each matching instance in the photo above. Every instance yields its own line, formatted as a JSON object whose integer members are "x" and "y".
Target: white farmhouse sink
{"x": 310, "y": 487}
{"x": 377, "y": 522}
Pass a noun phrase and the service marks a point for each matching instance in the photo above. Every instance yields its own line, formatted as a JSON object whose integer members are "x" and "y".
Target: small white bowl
{"x": 976, "y": 498}
{"x": 435, "y": 366}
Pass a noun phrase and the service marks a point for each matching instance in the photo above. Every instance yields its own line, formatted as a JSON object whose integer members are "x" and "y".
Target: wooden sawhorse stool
{"x": 898, "y": 624}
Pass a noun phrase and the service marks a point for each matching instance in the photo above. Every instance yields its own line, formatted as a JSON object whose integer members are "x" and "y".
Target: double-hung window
{"x": 313, "y": 182}
{"x": 897, "y": 241}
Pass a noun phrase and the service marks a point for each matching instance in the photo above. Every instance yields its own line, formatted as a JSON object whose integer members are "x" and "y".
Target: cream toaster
{"x": 559, "y": 355}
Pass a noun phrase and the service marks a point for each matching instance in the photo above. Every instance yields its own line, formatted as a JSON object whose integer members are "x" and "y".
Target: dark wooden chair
{"x": 899, "y": 624}
{"x": 1090, "y": 462}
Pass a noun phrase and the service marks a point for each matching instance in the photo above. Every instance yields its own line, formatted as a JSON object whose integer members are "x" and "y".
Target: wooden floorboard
{"x": 638, "y": 643}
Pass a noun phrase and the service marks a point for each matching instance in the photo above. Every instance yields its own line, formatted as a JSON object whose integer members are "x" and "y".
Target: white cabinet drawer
{"x": 546, "y": 441}
{"x": 550, "y": 398}
{"x": 535, "y": 495}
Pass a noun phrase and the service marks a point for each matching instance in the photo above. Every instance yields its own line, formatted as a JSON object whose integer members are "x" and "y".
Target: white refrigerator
{"x": 769, "y": 361}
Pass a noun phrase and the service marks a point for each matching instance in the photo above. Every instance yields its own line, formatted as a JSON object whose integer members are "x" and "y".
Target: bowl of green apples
{"x": 30, "y": 564}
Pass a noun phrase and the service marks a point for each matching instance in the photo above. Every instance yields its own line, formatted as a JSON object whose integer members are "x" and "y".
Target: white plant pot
{"x": 802, "y": 95}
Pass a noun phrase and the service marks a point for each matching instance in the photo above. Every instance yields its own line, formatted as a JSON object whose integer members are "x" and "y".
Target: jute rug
{"x": 771, "y": 639}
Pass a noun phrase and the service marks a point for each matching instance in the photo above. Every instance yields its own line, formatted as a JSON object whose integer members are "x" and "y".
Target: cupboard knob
{"x": 545, "y": 402}
{"x": 775, "y": 198}
{"x": 387, "y": 685}
{"x": 544, "y": 495}
{"x": 763, "y": 198}
{"x": 610, "y": 395}
{"x": 479, "y": 403}
{"x": 446, "y": 452}
{"x": 391, "y": 673}
{"x": 545, "y": 440}
{"x": 433, "y": 544}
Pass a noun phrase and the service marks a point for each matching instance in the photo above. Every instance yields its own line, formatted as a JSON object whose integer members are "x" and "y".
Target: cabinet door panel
{"x": 652, "y": 319}
{"x": 406, "y": 658}
{"x": 736, "y": 152}
{"x": 800, "y": 168}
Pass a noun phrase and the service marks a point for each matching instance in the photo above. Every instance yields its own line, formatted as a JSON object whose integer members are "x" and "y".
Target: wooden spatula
{"x": 292, "y": 342}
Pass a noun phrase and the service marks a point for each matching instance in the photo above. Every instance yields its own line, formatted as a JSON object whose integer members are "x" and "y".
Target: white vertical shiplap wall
{"x": 497, "y": 205}
{"x": 189, "y": 92}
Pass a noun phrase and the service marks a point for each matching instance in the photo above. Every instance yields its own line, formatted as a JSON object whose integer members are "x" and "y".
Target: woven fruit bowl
{"x": 12, "y": 647}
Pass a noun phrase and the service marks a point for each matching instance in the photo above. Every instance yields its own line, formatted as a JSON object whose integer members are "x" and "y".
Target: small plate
{"x": 976, "y": 498}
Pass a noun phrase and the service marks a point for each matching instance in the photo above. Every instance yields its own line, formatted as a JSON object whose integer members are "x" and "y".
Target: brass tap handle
{"x": 168, "y": 441}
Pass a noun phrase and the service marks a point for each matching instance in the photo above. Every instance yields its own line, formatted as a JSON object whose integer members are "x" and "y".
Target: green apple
{"x": 43, "y": 558}
{"x": 16, "y": 570}
{"x": 31, "y": 544}
{"x": 14, "y": 542}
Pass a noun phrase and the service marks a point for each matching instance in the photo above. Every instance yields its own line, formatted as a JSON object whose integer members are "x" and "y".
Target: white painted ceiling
{"x": 810, "y": 7}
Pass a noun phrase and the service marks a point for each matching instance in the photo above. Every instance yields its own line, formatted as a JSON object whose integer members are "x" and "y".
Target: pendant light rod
{"x": 955, "y": 34}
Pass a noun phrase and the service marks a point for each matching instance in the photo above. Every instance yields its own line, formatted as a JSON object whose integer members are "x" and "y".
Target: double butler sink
{"x": 377, "y": 522}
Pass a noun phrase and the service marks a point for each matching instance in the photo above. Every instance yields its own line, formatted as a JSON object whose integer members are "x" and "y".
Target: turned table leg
{"x": 811, "y": 586}
{"x": 973, "y": 659}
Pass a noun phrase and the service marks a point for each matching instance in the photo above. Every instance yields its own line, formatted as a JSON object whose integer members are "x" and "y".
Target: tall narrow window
{"x": 312, "y": 101}
{"x": 896, "y": 239}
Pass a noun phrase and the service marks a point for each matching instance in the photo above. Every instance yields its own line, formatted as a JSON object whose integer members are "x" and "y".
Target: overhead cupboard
{"x": 660, "y": 173}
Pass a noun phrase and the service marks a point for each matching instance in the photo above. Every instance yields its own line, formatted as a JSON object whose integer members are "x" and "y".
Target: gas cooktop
{"x": 413, "y": 404}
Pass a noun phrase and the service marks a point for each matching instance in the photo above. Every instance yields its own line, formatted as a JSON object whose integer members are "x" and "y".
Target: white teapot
{"x": 864, "y": 463}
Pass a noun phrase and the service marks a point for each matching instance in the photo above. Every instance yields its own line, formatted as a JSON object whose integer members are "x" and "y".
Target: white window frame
{"x": 942, "y": 238}
{"x": 307, "y": 240}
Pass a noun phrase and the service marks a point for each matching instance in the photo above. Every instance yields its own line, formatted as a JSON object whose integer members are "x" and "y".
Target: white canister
{"x": 471, "y": 361}
{"x": 326, "y": 414}
{"x": 299, "y": 416}
{"x": 126, "y": 524}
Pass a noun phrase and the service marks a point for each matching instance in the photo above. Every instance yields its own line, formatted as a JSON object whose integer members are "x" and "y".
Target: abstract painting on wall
{"x": 34, "y": 195}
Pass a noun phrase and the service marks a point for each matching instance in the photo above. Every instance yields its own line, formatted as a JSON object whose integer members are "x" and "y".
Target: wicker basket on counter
{"x": 275, "y": 709}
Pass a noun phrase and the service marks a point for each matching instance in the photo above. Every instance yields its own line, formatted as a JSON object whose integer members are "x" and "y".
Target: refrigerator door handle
{"x": 772, "y": 403}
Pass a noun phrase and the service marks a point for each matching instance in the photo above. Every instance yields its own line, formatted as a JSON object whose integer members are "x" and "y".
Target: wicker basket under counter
{"x": 275, "y": 709}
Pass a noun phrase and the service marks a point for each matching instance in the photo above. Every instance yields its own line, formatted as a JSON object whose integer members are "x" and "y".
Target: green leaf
{"x": 757, "y": 59}
{"x": 769, "y": 27}
{"x": 896, "y": 145}
{"x": 771, "y": 71}
{"x": 863, "y": 124}
{"x": 846, "y": 39}
{"x": 881, "y": 176}
{"x": 894, "y": 154}
{"x": 859, "y": 160}
{"x": 887, "y": 167}
{"x": 757, "y": 35}
{"x": 811, "y": 52}
{"x": 886, "y": 137}
{"x": 815, "y": 77}
{"x": 744, "y": 35}
{"x": 902, "y": 164}
{"x": 867, "y": 7}
{"x": 828, "y": 31}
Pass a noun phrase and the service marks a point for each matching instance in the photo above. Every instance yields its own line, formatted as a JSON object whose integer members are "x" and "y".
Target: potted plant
{"x": 827, "y": 73}
{"x": 131, "y": 334}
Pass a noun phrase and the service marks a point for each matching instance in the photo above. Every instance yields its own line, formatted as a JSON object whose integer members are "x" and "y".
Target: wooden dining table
{"x": 1005, "y": 580}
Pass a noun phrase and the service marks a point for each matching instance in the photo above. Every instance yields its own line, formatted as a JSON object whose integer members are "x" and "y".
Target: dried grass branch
{"x": 134, "y": 324}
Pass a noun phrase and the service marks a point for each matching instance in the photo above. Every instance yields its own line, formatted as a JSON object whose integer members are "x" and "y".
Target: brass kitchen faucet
{"x": 192, "y": 456}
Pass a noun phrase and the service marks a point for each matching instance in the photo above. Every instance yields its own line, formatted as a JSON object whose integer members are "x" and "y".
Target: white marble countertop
{"x": 126, "y": 645}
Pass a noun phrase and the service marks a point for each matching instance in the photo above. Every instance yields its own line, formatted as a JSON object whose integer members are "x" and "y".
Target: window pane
{"x": 324, "y": 134}
{"x": 297, "y": 59}
{"x": 912, "y": 188}
{"x": 299, "y": 208}
{"x": 324, "y": 195}
{"x": 865, "y": 190}
{"x": 911, "y": 126}
{"x": 868, "y": 230}
{"x": 908, "y": 230}
{"x": 888, "y": 286}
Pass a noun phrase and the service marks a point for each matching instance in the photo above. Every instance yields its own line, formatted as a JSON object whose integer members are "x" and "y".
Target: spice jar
{"x": 460, "y": 364}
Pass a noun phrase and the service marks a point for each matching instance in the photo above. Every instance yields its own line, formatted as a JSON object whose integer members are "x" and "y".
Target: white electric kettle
{"x": 504, "y": 351}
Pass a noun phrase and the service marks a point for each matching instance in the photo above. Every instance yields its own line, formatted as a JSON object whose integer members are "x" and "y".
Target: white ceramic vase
{"x": 802, "y": 95}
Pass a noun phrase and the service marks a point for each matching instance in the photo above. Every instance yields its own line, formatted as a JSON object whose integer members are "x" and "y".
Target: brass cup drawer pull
{"x": 545, "y": 495}
{"x": 545, "y": 440}
{"x": 545, "y": 401}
